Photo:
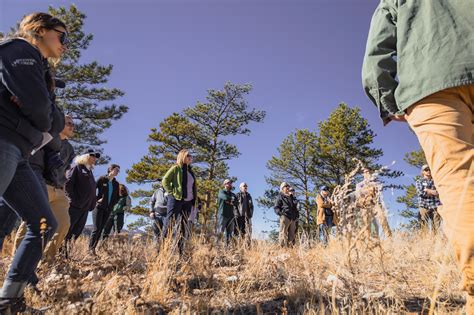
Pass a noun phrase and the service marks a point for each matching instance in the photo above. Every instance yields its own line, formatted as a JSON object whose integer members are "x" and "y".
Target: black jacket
{"x": 103, "y": 193}
{"x": 240, "y": 203}
{"x": 23, "y": 75}
{"x": 287, "y": 206}
{"x": 80, "y": 188}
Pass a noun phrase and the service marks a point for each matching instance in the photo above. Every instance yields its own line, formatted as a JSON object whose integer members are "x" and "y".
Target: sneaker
{"x": 12, "y": 305}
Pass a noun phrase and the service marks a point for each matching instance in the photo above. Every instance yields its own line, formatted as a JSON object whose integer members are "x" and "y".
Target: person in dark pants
{"x": 80, "y": 189}
{"x": 158, "y": 210}
{"x": 26, "y": 109}
{"x": 180, "y": 184}
{"x": 107, "y": 197}
{"x": 116, "y": 218}
{"x": 227, "y": 211}
{"x": 245, "y": 212}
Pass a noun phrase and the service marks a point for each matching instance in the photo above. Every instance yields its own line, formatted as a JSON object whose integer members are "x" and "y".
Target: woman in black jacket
{"x": 80, "y": 188}
{"x": 107, "y": 197}
{"x": 26, "y": 87}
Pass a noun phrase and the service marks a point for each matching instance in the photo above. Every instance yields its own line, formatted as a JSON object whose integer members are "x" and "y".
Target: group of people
{"x": 175, "y": 206}
{"x": 417, "y": 68}
{"x": 39, "y": 181}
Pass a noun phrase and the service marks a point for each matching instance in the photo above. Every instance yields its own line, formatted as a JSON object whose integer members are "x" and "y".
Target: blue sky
{"x": 302, "y": 57}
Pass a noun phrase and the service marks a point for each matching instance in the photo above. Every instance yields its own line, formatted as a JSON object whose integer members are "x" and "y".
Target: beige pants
{"x": 60, "y": 207}
{"x": 427, "y": 216}
{"x": 443, "y": 123}
{"x": 287, "y": 231}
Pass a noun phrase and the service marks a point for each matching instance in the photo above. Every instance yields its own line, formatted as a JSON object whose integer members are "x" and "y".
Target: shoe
{"x": 12, "y": 305}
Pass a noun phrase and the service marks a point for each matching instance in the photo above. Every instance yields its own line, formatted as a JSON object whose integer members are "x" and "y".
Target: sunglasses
{"x": 427, "y": 170}
{"x": 63, "y": 38}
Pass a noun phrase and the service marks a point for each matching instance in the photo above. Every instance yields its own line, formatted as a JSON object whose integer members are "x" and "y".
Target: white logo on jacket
{"x": 24, "y": 62}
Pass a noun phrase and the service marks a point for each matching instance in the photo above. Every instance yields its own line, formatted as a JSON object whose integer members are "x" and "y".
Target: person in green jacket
{"x": 419, "y": 68}
{"x": 227, "y": 210}
{"x": 116, "y": 219}
{"x": 180, "y": 184}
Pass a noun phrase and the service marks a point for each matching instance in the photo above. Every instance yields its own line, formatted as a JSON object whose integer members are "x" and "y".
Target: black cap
{"x": 92, "y": 152}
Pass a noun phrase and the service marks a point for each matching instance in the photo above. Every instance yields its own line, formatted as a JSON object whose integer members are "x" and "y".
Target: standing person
{"x": 430, "y": 84}
{"x": 80, "y": 189}
{"x": 116, "y": 218}
{"x": 54, "y": 172}
{"x": 180, "y": 184}
{"x": 107, "y": 197}
{"x": 158, "y": 209}
{"x": 226, "y": 211}
{"x": 244, "y": 212}
{"x": 369, "y": 201}
{"x": 327, "y": 218}
{"x": 428, "y": 200}
{"x": 286, "y": 209}
{"x": 25, "y": 118}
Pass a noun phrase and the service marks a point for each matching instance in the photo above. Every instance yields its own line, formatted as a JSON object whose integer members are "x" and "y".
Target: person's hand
{"x": 15, "y": 100}
{"x": 152, "y": 215}
{"x": 401, "y": 118}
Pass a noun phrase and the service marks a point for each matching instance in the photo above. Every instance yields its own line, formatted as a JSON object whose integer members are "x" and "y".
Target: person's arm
{"x": 71, "y": 178}
{"x": 431, "y": 192}
{"x": 379, "y": 69}
{"x": 22, "y": 73}
{"x": 420, "y": 191}
{"x": 278, "y": 205}
{"x": 251, "y": 205}
{"x": 167, "y": 180}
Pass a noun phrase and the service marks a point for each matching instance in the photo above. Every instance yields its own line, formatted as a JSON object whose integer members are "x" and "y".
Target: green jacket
{"x": 416, "y": 48}
{"x": 227, "y": 203}
{"x": 173, "y": 182}
{"x": 120, "y": 206}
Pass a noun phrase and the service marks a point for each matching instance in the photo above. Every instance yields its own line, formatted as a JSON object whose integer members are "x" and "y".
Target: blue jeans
{"x": 23, "y": 191}
{"x": 8, "y": 219}
{"x": 325, "y": 229}
{"x": 177, "y": 214}
{"x": 227, "y": 227}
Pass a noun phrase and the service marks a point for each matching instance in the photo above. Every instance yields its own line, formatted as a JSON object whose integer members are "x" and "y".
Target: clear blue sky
{"x": 302, "y": 57}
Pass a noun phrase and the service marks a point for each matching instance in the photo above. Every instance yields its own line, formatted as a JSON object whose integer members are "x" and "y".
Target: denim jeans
{"x": 177, "y": 214}
{"x": 8, "y": 220}
{"x": 22, "y": 190}
{"x": 157, "y": 225}
{"x": 325, "y": 229}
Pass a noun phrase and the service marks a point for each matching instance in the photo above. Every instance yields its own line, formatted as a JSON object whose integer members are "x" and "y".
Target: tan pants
{"x": 287, "y": 231}
{"x": 427, "y": 216}
{"x": 443, "y": 123}
{"x": 60, "y": 207}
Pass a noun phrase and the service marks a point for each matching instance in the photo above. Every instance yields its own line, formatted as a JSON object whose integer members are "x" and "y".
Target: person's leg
{"x": 81, "y": 222}
{"x": 443, "y": 123}
{"x": 119, "y": 221}
{"x": 284, "y": 224}
{"x": 292, "y": 232}
{"x": 109, "y": 224}
{"x": 436, "y": 221}
{"x": 381, "y": 215}
{"x": 171, "y": 209}
{"x": 8, "y": 219}
{"x": 424, "y": 219}
{"x": 99, "y": 217}
{"x": 59, "y": 205}
{"x": 27, "y": 196}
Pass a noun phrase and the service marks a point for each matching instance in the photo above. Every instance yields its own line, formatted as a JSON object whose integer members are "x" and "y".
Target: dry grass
{"x": 129, "y": 276}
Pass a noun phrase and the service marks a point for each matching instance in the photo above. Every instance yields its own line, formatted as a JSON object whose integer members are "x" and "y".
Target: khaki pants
{"x": 427, "y": 216}
{"x": 59, "y": 205}
{"x": 443, "y": 123}
{"x": 287, "y": 231}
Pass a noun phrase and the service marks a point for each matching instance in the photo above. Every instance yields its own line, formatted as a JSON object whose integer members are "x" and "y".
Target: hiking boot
{"x": 12, "y": 305}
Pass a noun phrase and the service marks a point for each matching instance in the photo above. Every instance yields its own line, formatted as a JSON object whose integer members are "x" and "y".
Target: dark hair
{"x": 123, "y": 190}
{"x": 111, "y": 167}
